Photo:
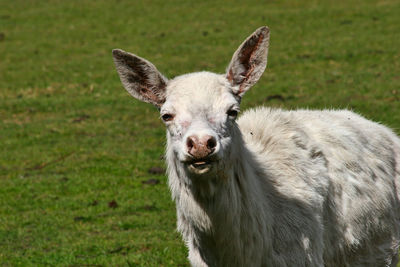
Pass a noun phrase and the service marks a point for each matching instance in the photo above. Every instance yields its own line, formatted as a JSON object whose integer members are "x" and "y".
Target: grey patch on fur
{"x": 316, "y": 153}
{"x": 299, "y": 142}
{"x": 334, "y": 141}
{"x": 353, "y": 166}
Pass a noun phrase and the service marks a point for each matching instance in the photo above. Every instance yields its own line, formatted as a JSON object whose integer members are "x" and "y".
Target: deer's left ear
{"x": 249, "y": 61}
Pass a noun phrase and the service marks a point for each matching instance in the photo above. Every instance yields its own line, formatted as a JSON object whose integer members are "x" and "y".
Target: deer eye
{"x": 232, "y": 113}
{"x": 167, "y": 117}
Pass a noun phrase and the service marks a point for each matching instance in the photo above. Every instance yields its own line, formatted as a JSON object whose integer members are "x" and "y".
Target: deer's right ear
{"x": 140, "y": 78}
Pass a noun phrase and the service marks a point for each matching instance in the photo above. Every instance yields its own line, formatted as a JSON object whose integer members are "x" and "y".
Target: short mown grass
{"x": 81, "y": 171}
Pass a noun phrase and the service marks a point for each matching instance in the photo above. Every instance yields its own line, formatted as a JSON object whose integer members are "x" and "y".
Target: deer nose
{"x": 201, "y": 147}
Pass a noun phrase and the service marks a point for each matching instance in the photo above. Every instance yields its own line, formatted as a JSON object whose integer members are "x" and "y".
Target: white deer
{"x": 273, "y": 188}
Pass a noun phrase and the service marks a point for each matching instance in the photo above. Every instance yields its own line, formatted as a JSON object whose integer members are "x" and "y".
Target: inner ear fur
{"x": 249, "y": 61}
{"x": 140, "y": 77}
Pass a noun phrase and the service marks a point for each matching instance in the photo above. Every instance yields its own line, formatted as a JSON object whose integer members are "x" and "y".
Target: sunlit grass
{"x": 77, "y": 149}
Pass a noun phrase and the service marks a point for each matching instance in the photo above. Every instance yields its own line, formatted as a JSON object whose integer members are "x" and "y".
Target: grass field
{"x": 81, "y": 172}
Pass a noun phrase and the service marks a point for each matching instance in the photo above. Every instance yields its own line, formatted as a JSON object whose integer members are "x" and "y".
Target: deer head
{"x": 198, "y": 109}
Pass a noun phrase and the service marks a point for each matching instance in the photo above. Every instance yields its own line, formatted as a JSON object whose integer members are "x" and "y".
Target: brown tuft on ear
{"x": 249, "y": 61}
{"x": 140, "y": 78}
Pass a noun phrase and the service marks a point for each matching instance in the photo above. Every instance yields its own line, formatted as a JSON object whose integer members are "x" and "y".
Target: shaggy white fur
{"x": 273, "y": 188}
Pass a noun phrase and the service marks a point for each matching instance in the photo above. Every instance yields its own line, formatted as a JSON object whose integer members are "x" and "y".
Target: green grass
{"x": 73, "y": 143}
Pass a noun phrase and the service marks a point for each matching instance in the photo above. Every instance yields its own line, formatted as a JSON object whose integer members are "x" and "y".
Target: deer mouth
{"x": 200, "y": 166}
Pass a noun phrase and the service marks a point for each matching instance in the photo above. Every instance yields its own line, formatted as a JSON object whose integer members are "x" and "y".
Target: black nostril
{"x": 189, "y": 143}
{"x": 211, "y": 143}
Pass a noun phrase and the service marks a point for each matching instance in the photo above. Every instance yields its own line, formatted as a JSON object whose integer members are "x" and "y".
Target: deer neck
{"x": 226, "y": 211}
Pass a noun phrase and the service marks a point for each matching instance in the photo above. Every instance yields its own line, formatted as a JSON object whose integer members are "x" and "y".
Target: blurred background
{"x": 82, "y": 176}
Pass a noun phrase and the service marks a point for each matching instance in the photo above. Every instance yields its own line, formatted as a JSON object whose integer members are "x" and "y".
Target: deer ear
{"x": 140, "y": 78}
{"x": 249, "y": 61}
